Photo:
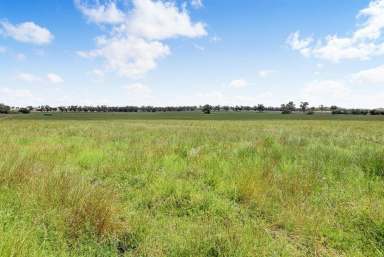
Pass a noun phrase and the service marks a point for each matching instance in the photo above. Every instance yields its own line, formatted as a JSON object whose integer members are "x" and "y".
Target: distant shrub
{"x": 286, "y": 112}
{"x": 359, "y": 112}
{"x": 24, "y": 110}
{"x": 340, "y": 111}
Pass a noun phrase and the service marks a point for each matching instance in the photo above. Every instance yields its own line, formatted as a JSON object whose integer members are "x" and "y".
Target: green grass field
{"x": 177, "y": 184}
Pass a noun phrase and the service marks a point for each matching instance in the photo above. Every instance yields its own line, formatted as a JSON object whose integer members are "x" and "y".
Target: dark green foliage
{"x": 4, "y": 108}
{"x": 206, "y": 109}
{"x": 24, "y": 110}
{"x": 260, "y": 108}
{"x": 310, "y": 112}
{"x": 376, "y": 112}
{"x": 351, "y": 111}
{"x": 333, "y": 108}
{"x": 304, "y": 106}
{"x": 288, "y": 108}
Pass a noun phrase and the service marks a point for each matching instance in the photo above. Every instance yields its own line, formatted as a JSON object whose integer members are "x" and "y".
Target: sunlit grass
{"x": 191, "y": 188}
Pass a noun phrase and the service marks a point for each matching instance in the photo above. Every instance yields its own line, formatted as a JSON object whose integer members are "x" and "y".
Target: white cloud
{"x": 152, "y": 20}
{"x": 49, "y": 78}
{"x": 336, "y": 49}
{"x": 138, "y": 89}
{"x": 221, "y": 98}
{"x": 370, "y": 76}
{"x": 265, "y": 73}
{"x": 130, "y": 56}
{"x": 15, "y": 93}
{"x": 134, "y": 44}
{"x": 27, "y": 32}
{"x": 215, "y": 39}
{"x": 108, "y": 13}
{"x": 342, "y": 93}
{"x": 54, "y": 78}
{"x": 374, "y": 24}
{"x": 17, "y": 97}
{"x": 238, "y": 83}
{"x": 327, "y": 92}
{"x": 86, "y": 54}
{"x": 212, "y": 97}
{"x": 363, "y": 44}
{"x": 298, "y": 44}
{"x": 327, "y": 88}
{"x": 197, "y": 3}
{"x": 158, "y": 20}
{"x": 27, "y": 77}
{"x": 39, "y": 52}
{"x": 2, "y": 49}
{"x": 97, "y": 74}
{"x": 199, "y": 47}
{"x": 20, "y": 57}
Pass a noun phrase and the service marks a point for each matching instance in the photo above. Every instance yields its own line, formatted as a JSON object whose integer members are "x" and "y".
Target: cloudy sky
{"x": 191, "y": 52}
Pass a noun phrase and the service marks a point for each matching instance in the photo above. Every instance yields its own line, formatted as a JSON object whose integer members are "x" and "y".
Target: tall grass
{"x": 191, "y": 188}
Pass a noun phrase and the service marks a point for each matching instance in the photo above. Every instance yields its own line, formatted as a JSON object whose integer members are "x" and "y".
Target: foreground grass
{"x": 191, "y": 188}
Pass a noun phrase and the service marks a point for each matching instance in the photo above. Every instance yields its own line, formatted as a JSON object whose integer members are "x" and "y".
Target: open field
{"x": 174, "y": 184}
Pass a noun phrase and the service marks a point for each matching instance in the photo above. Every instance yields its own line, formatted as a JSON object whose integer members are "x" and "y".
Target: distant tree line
{"x": 287, "y": 108}
{"x": 359, "y": 111}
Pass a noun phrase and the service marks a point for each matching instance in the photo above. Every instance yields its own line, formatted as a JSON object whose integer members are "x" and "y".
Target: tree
{"x": 288, "y": 108}
{"x": 217, "y": 108}
{"x": 304, "y": 106}
{"x": 207, "y": 109}
{"x": 260, "y": 108}
{"x": 4, "y": 108}
{"x": 334, "y": 108}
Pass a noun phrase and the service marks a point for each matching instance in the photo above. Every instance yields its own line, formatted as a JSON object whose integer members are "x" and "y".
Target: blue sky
{"x": 191, "y": 52}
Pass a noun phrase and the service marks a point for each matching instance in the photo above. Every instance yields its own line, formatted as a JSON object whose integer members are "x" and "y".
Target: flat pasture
{"x": 189, "y": 184}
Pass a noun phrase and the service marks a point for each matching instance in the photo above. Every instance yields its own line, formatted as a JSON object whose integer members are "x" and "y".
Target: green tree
{"x": 4, "y": 108}
{"x": 334, "y": 108}
{"x": 206, "y": 109}
{"x": 260, "y": 107}
{"x": 288, "y": 108}
{"x": 304, "y": 106}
